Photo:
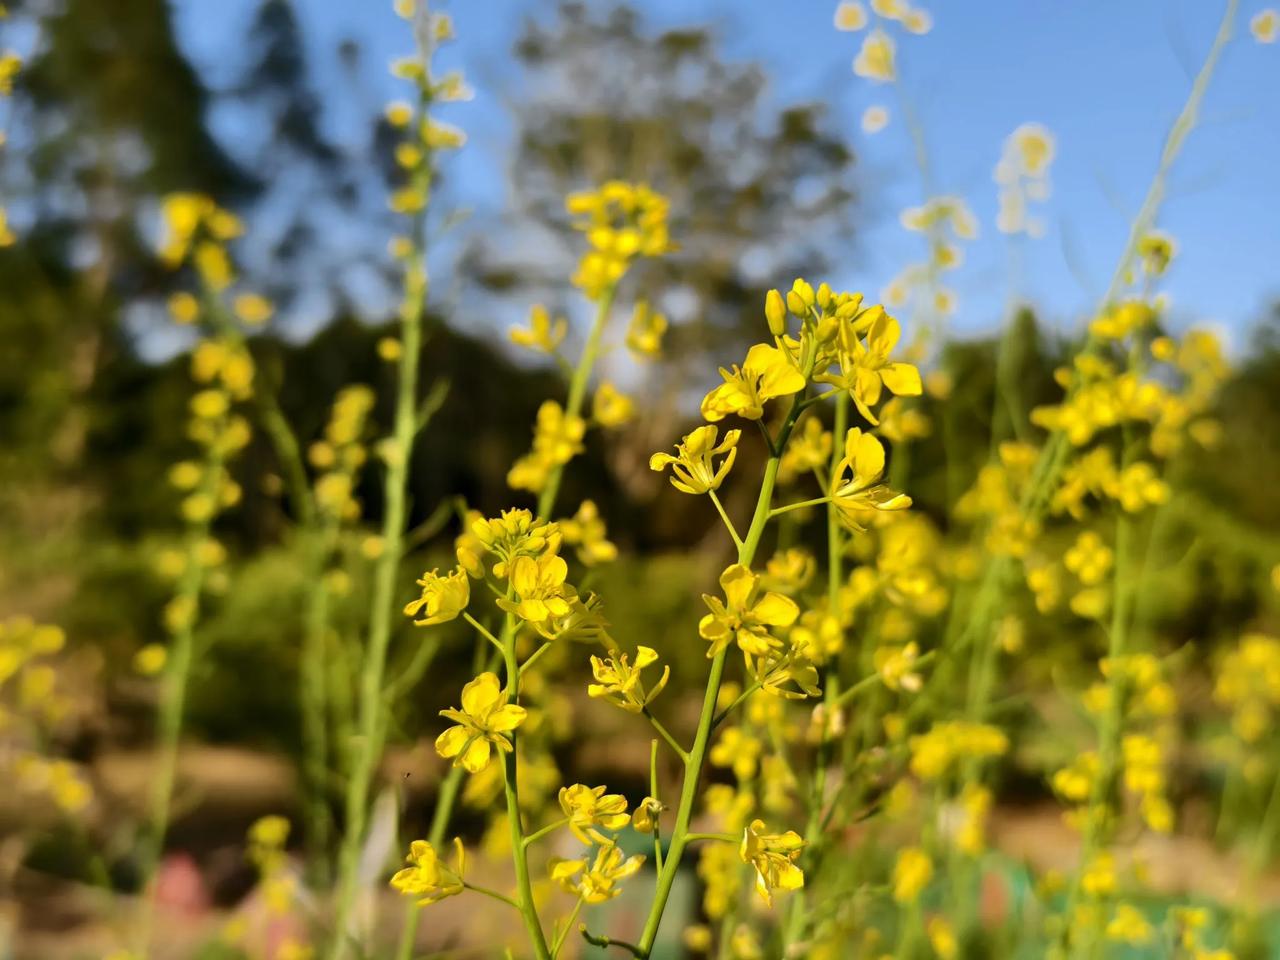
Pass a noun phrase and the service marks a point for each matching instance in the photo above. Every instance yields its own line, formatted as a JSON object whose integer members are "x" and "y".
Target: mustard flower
{"x": 911, "y": 874}
{"x": 541, "y": 593}
{"x": 484, "y": 720}
{"x": 1088, "y": 558}
{"x": 1130, "y": 926}
{"x": 1265, "y": 26}
{"x": 742, "y": 618}
{"x": 586, "y": 531}
{"x": 645, "y": 331}
{"x": 516, "y": 533}
{"x": 863, "y": 490}
{"x": 692, "y": 468}
{"x": 809, "y": 450}
{"x": 774, "y": 857}
{"x": 611, "y": 408}
{"x": 543, "y": 334}
{"x": 895, "y": 665}
{"x": 767, "y": 373}
{"x": 443, "y": 598}
{"x": 590, "y": 807}
{"x": 597, "y": 881}
{"x": 865, "y": 368}
{"x": 875, "y": 59}
{"x": 645, "y": 817}
{"x": 427, "y": 877}
{"x": 618, "y": 681}
{"x": 851, "y": 16}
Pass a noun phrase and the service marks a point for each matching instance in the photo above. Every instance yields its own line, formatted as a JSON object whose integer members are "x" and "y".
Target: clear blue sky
{"x": 1106, "y": 76}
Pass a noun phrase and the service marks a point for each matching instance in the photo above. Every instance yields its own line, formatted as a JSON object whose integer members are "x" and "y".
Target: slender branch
{"x": 738, "y": 701}
{"x": 681, "y": 752}
{"x": 533, "y": 657}
{"x": 726, "y": 837}
{"x": 787, "y": 508}
{"x": 728, "y": 524}
{"x": 480, "y": 627}
{"x": 603, "y": 941}
{"x": 568, "y": 925}
{"x": 537, "y": 835}
{"x": 491, "y": 893}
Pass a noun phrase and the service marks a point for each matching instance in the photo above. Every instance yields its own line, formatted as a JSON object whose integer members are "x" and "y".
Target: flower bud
{"x": 800, "y": 298}
{"x": 775, "y": 312}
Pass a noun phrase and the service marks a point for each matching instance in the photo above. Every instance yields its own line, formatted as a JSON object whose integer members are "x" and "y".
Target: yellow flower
{"x": 443, "y": 598}
{"x": 1099, "y": 877}
{"x": 621, "y": 221}
{"x": 737, "y": 751}
{"x": 865, "y": 368}
{"x": 618, "y": 681}
{"x": 1265, "y": 26}
{"x": 874, "y": 119}
{"x": 774, "y": 857}
{"x": 691, "y": 467}
{"x": 611, "y": 408}
{"x": 543, "y": 333}
{"x": 252, "y": 308}
{"x": 590, "y": 807}
{"x": 911, "y": 874}
{"x": 942, "y": 938}
{"x": 645, "y": 331}
{"x": 485, "y": 719}
{"x": 875, "y": 59}
{"x": 862, "y": 491}
{"x": 10, "y": 64}
{"x": 767, "y": 373}
{"x": 541, "y": 592}
{"x": 895, "y": 666}
{"x": 851, "y": 16}
{"x": 150, "y": 659}
{"x": 645, "y": 817}
{"x": 1088, "y": 558}
{"x": 743, "y": 619}
{"x": 184, "y": 308}
{"x": 399, "y": 113}
{"x": 808, "y": 450}
{"x": 427, "y": 877}
{"x": 586, "y": 531}
{"x": 1129, "y": 926}
{"x": 598, "y": 881}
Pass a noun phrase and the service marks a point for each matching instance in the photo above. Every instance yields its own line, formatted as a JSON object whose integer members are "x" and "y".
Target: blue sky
{"x": 1107, "y": 77}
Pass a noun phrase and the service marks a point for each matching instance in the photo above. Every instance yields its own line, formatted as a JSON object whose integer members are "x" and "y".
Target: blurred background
{"x": 747, "y": 115}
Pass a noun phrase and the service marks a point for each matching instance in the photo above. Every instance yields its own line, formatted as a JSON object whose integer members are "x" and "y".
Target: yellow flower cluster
{"x": 341, "y": 453}
{"x": 622, "y": 222}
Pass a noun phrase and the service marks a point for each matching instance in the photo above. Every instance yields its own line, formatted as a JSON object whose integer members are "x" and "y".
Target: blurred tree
{"x": 760, "y": 193}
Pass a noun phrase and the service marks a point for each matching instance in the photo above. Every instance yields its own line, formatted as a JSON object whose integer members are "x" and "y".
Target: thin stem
{"x": 494, "y": 894}
{"x": 568, "y": 925}
{"x": 524, "y": 886}
{"x": 370, "y": 725}
{"x": 174, "y": 692}
{"x": 577, "y": 394}
{"x": 603, "y": 941}
{"x": 550, "y": 828}
{"x": 484, "y": 632}
{"x": 788, "y": 507}
{"x": 728, "y": 524}
{"x": 726, "y": 837}
{"x": 681, "y": 752}
{"x": 533, "y": 657}
{"x": 737, "y": 702}
{"x": 653, "y": 792}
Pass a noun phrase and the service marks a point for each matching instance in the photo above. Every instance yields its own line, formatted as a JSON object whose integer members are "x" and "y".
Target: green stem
{"x": 568, "y": 925}
{"x": 577, "y": 395}
{"x": 693, "y": 763}
{"x": 313, "y": 690}
{"x": 174, "y": 694}
{"x": 493, "y": 894}
{"x": 788, "y": 507}
{"x": 370, "y": 721}
{"x": 510, "y": 787}
{"x": 663, "y": 732}
{"x": 728, "y": 524}
{"x": 484, "y": 632}
{"x": 550, "y": 828}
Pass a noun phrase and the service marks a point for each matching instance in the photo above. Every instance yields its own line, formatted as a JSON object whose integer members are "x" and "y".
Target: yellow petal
{"x": 902, "y": 379}
{"x": 481, "y": 695}
{"x": 776, "y": 610}
{"x": 738, "y": 582}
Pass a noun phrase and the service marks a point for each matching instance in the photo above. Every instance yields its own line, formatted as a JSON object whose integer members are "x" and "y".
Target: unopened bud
{"x": 775, "y": 311}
